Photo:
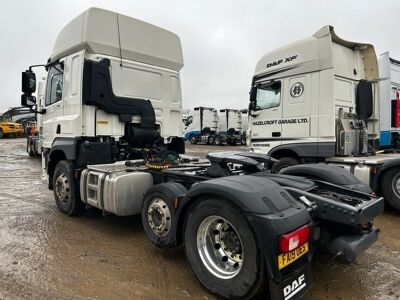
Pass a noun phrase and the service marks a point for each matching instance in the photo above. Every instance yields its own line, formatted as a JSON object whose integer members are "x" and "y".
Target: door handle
{"x": 276, "y": 134}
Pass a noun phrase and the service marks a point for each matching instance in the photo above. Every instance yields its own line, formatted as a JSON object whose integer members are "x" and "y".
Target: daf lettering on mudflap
{"x": 292, "y": 289}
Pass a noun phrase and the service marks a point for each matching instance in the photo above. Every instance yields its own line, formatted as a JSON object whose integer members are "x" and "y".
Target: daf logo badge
{"x": 297, "y": 90}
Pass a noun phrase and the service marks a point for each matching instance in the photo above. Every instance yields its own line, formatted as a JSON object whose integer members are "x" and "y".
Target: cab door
{"x": 296, "y": 108}
{"x": 53, "y": 104}
{"x": 266, "y": 117}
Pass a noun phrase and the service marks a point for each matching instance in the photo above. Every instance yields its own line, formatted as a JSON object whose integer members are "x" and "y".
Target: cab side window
{"x": 269, "y": 95}
{"x": 54, "y": 85}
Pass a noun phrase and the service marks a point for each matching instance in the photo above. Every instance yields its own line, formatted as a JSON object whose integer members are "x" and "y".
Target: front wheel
{"x": 1, "y": 133}
{"x": 391, "y": 187}
{"x": 65, "y": 189}
{"x": 222, "y": 250}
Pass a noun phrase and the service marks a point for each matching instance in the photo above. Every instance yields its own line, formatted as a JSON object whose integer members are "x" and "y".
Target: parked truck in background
{"x": 212, "y": 127}
{"x": 33, "y": 140}
{"x": 230, "y": 130}
{"x": 317, "y": 100}
{"x": 201, "y": 125}
{"x": 112, "y": 140}
{"x": 389, "y": 99}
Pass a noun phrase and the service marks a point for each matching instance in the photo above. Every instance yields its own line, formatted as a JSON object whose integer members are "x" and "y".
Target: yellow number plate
{"x": 288, "y": 258}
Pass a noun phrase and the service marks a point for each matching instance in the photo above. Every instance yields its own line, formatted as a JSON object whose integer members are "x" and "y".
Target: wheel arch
{"x": 55, "y": 156}
{"x": 381, "y": 171}
{"x": 284, "y": 152}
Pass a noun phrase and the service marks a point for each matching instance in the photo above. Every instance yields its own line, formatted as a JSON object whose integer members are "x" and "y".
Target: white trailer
{"x": 317, "y": 100}
{"x": 389, "y": 93}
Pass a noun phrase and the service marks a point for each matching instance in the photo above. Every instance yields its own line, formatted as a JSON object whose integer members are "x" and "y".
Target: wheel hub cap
{"x": 62, "y": 188}
{"x": 159, "y": 217}
{"x": 220, "y": 247}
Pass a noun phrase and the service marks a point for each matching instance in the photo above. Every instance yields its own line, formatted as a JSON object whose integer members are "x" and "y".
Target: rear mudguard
{"x": 270, "y": 210}
{"x": 328, "y": 173}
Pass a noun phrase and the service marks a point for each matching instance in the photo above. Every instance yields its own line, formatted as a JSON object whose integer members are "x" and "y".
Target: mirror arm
{"x": 40, "y": 112}
{"x": 35, "y": 66}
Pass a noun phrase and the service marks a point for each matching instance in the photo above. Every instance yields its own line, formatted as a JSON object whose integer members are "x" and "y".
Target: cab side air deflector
{"x": 97, "y": 91}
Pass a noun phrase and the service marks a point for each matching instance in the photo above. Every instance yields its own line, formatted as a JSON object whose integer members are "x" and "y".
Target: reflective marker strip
{"x": 295, "y": 291}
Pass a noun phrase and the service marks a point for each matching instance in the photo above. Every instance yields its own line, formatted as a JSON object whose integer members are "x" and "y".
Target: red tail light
{"x": 294, "y": 239}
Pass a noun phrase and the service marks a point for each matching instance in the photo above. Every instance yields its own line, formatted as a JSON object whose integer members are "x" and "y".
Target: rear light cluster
{"x": 294, "y": 239}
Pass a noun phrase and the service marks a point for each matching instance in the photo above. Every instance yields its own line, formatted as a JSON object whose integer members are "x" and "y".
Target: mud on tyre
{"x": 65, "y": 188}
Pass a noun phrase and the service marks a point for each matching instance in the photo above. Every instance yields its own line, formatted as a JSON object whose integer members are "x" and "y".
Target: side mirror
{"x": 253, "y": 94}
{"x": 28, "y": 82}
{"x": 28, "y": 101}
{"x": 364, "y": 100}
{"x": 252, "y": 106}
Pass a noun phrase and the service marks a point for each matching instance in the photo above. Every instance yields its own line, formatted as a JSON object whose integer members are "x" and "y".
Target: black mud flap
{"x": 293, "y": 286}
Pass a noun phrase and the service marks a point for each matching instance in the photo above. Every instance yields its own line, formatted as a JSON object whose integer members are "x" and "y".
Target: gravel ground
{"x": 44, "y": 254}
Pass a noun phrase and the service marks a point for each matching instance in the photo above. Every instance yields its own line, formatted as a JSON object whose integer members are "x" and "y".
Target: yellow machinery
{"x": 10, "y": 128}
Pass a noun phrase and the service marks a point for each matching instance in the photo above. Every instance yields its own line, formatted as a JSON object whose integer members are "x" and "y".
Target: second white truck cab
{"x": 317, "y": 100}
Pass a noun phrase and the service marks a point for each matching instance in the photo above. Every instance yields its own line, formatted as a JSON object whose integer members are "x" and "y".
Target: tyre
{"x": 210, "y": 140}
{"x": 193, "y": 140}
{"x": 1, "y": 133}
{"x": 159, "y": 215}
{"x": 31, "y": 153}
{"x": 65, "y": 189}
{"x": 218, "y": 140}
{"x": 222, "y": 250}
{"x": 390, "y": 187}
{"x": 284, "y": 162}
{"x": 243, "y": 140}
{"x": 231, "y": 141}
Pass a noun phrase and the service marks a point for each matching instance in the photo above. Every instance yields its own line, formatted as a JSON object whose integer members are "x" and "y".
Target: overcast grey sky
{"x": 222, "y": 40}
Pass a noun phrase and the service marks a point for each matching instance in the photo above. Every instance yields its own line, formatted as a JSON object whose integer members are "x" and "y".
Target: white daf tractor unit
{"x": 389, "y": 92}
{"x": 317, "y": 100}
{"x": 112, "y": 124}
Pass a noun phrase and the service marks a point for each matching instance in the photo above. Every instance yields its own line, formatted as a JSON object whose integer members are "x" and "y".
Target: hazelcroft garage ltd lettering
{"x": 282, "y": 121}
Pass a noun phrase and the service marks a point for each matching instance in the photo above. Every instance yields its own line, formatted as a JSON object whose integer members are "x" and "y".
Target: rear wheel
{"x": 1, "y": 133}
{"x": 243, "y": 140}
{"x": 65, "y": 189}
{"x": 210, "y": 140}
{"x": 222, "y": 250}
{"x": 193, "y": 140}
{"x": 284, "y": 162}
{"x": 390, "y": 186}
{"x": 218, "y": 140}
